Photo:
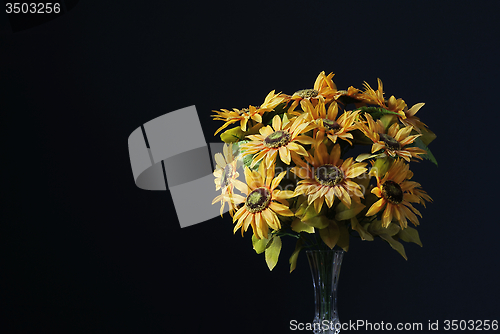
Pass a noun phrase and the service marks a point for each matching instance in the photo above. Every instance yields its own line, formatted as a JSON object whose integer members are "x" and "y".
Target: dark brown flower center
{"x": 330, "y": 125}
{"x": 392, "y": 192}
{"x": 390, "y": 142}
{"x": 305, "y": 93}
{"x": 258, "y": 200}
{"x": 329, "y": 175}
{"x": 227, "y": 174}
{"x": 277, "y": 139}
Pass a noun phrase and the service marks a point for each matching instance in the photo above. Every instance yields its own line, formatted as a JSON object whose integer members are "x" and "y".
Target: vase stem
{"x": 325, "y": 270}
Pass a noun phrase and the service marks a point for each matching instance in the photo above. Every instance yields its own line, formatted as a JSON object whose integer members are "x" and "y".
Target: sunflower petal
{"x": 302, "y": 172}
{"x": 241, "y": 211}
{"x": 410, "y": 215}
{"x": 276, "y": 181}
{"x": 387, "y": 215}
{"x": 285, "y": 155}
{"x": 335, "y": 154}
{"x": 283, "y": 194}
{"x": 403, "y": 133}
{"x": 257, "y": 117}
{"x": 277, "y": 123}
{"x": 271, "y": 157}
{"x": 318, "y": 204}
{"x": 377, "y": 146}
{"x": 376, "y": 207}
{"x": 241, "y": 186}
{"x": 265, "y": 131}
{"x": 306, "y": 140}
{"x": 377, "y": 191}
{"x": 355, "y": 171}
{"x": 332, "y": 111}
{"x": 269, "y": 174}
{"x": 297, "y": 148}
{"x": 330, "y": 197}
{"x": 258, "y": 157}
{"x": 413, "y": 110}
{"x": 246, "y": 223}
{"x": 268, "y": 218}
{"x": 225, "y": 126}
{"x": 281, "y": 209}
{"x": 219, "y": 159}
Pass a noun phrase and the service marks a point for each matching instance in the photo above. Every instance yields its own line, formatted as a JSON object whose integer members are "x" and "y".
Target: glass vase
{"x": 325, "y": 270}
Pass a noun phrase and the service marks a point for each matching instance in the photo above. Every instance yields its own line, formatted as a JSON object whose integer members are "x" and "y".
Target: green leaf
{"x": 361, "y": 230}
{"x": 429, "y": 156}
{"x": 427, "y": 136}
{"x": 232, "y": 135}
{"x": 308, "y": 213}
{"x": 301, "y": 205}
{"x": 409, "y": 234}
{"x": 246, "y": 158}
{"x": 259, "y": 244}
{"x": 273, "y": 252}
{"x": 387, "y": 234}
{"x": 382, "y": 165}
{"x": 300, "y": 226}
{"x": 343, "y": 241}
{"x": 376, "y": 228}
{"x": 267, "y": 118}
{"x": 319, "y": 222}
{"x": 254, "y": 129}
{"x": 394, "y": 244}
{"x": 284, "y": 120}
{"x": 295, "y": 255}
{"x": 387, "y": 120}
{"x": 343, "y": 213}
{"x": 360, "y": 138}
{"x": 376, "y": 112}
{"x": 365, "y": 156}
{"x": 330, "y": 234}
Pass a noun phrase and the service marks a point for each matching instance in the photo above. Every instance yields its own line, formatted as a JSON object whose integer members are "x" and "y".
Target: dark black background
{"x": 83, "y": 250}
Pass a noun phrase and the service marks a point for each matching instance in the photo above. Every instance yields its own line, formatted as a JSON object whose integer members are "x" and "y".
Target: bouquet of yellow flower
{"x": 306, "y": 177}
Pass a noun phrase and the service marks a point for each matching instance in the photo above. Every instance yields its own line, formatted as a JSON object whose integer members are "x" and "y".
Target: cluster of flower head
{"x": 328, "y": 193}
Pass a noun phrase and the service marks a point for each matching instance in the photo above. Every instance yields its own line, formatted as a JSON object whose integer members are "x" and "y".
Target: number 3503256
{"x": 32, "y": 8}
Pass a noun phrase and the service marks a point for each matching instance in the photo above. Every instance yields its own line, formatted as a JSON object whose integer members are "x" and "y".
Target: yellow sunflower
{"x": 326, "y": 177}
{"x": 326, "y": 122}
{"x": 396, "y": 105}
{"x": 351, "y": 95}
{"x": 272, "y": 100}
{"x": 225, "y": 178}
{"x": 376, "y": 97}
{"x": 412, "y": 120}
{"x": 261, "y": 204}
{"x": 422, "y": 195}
{"x": 324, "y": 89}
{"x": 282, "y": 138}
{"x": 394, "y": 141}
{"x": 396, "y": 191}
{"x": 246, "y": 114}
